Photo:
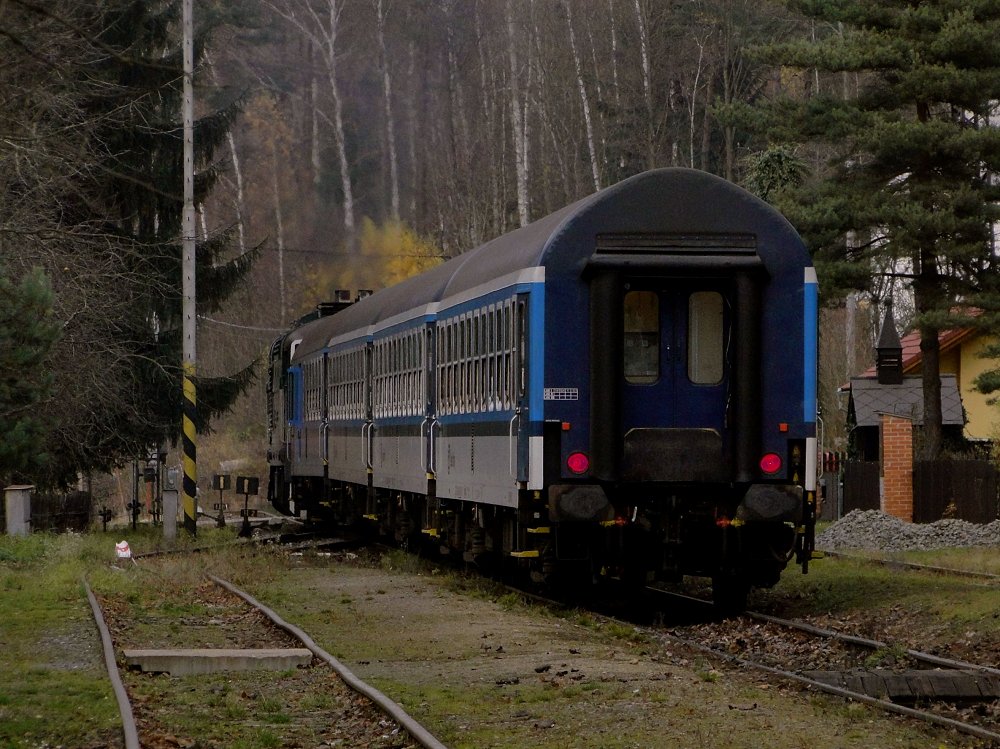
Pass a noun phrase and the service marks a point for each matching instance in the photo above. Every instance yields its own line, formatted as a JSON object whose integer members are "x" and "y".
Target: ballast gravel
{"x": 875, "y": 530}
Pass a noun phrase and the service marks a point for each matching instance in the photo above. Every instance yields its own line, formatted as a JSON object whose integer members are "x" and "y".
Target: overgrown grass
{"x": 842, "y": 587}
{"x": 53, "y": 685}
{"x": 51, "y": 673}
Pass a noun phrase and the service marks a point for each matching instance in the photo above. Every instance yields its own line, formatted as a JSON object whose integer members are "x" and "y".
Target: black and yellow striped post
{"x": 189, "y": 491}
{"x": 189, "y": 499}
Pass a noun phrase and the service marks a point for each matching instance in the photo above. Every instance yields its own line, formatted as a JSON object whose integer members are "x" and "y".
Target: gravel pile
{"x": 871, "y": 529}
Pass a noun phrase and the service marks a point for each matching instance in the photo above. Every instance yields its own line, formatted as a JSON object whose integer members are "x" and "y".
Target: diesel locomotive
{"x": 625, "y": 387}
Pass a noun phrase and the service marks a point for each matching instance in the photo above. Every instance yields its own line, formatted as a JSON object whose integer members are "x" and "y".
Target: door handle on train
{"x": 426, "y": 440}
{"x": 429, "y": 451}
{"x": 513, "y": 442}
{"x": 367, "y": 431}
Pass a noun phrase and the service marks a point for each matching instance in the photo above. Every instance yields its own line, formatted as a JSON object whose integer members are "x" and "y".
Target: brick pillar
{"x": 897, "y": 467}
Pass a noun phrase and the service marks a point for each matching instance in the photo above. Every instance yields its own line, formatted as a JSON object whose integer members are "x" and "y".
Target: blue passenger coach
{"x": 624, "y": 387}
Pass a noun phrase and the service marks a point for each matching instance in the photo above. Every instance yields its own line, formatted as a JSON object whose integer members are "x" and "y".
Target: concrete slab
{"x": 190, "y": 661}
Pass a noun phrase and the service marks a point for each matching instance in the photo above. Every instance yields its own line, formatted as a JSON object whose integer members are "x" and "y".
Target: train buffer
{"x": 950, "y": 685}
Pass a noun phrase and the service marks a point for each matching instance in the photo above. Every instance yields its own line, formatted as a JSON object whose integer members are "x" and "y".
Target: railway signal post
{"x": 247, "y": 485}
{"x": 221, "y": 482}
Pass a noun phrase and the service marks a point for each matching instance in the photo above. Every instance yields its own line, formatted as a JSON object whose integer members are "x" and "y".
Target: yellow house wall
{"x": 983, "y": 419}
{"x": 951, "y": 363}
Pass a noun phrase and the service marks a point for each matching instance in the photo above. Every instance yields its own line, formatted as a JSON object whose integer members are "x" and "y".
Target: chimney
{"x": 889, "y": 352}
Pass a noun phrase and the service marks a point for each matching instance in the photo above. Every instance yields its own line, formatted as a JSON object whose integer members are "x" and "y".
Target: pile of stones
{"x": 872, "y": 529}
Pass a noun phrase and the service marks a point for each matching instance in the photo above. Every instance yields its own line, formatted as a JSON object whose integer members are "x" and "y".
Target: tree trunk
{"x": 932, "y": 443}
{"x": 584, "y": 101}
{"x": 411, "y": 132}
{"x": 693, "y": 102}
{"x": 314, "y": 151}
{"x": 488, "y": 84}
{"x": 928, "y": 298}
{"x": 612, "y": 30}
{"x": 338, "y": 120}
{"x": 390, "y": 129}
{"x": 517, "y": 122}
{"x": 279, "y": 232}
{"x": 239, "y": 201}
{"x": 647, "y": 85}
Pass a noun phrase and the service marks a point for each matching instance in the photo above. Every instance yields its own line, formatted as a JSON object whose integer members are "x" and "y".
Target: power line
{"x": 362, "y": 256}
{"x": 240, "y": 327}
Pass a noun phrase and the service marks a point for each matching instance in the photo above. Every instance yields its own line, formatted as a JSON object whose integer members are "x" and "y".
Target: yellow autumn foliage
{"x": 386, "y": 254}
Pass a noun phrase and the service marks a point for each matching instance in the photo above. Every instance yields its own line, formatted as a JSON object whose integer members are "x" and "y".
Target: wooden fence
{"x": 861, "y": 486}
{"x": 962, "y": 489}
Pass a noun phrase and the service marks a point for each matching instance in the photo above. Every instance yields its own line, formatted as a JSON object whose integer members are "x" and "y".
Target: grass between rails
{"x": 455, "y": 681}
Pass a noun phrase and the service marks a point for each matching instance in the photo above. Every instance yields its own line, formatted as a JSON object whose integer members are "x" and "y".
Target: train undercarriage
{"x": 660, "y": 536}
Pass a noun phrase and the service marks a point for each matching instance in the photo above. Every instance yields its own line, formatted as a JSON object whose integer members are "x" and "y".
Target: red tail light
{"x": 578, "y": 462}
{"x": 770, "y": 463}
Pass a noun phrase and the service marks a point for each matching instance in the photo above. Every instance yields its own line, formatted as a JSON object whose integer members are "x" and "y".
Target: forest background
{"x": 375, "y": 137}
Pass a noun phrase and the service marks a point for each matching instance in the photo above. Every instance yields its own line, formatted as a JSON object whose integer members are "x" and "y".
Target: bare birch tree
{"x": 381, "y": 12}
{"x": 584, "y": 101}
{"x": 519, "y": 126}
{"x": 319, "y": 23}
{"x": 647, "y": 78}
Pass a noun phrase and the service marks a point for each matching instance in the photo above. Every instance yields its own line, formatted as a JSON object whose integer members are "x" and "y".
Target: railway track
{"x": 912, "y": 566}
{"x": 956, "y": 694}
{"x": 788, "y": 659}
{"x": 951, "y": 693}
{"x": 221, "y": 632}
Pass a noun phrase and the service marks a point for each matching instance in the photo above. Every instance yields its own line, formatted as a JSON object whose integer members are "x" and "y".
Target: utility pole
{"x": 189, "y": 311}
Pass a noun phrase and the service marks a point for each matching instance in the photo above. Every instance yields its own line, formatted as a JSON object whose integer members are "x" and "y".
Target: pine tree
{"x": 142, "y": 176}
{"x": 27, "y": 332}
{"x": 911, "y": 182}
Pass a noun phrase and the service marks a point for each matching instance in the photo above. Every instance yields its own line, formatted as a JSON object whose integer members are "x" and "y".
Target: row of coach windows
{"x": 312, "y": 385}
{"x": 477, "y": 363}
{"x": 398, "y": 375}
{"x": 347, "y": 384}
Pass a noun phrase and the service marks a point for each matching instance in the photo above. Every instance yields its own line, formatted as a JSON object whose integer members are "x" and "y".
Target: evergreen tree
{"x": 27, "y": 332}
{"x": 910, "y": 184}
{"x": 98, "y": 203}
{"x": 141, "y": 177}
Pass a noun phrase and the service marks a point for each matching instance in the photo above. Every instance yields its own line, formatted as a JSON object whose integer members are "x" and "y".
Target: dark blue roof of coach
{"x": 675, "y": 201}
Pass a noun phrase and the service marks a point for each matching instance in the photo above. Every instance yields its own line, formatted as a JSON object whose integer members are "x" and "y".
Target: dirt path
{"x": 483, "y": 671}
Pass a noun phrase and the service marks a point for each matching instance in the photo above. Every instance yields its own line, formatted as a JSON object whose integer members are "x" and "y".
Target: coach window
{"x": 706, "y": 344}
{"x": 642, "y": 337}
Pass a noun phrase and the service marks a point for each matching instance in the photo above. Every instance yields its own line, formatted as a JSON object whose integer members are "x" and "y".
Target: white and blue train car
{"x": 626, "y": 386}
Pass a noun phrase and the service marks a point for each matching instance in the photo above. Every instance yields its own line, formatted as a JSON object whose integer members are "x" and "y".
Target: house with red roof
{"x": 961, "y": 362}
{"x": 886, "y": 403}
